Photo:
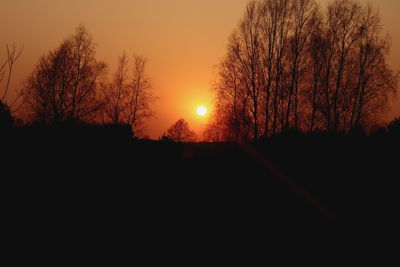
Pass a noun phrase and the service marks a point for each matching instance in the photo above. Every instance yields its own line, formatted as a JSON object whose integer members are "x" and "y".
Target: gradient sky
{"x": 182, "y": 39}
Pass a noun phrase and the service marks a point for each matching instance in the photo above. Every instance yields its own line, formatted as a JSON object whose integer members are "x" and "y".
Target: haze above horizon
{"x": 182, "y": 39}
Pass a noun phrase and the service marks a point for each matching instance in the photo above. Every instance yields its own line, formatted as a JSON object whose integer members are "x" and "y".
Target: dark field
{"x": 165, "y": 202}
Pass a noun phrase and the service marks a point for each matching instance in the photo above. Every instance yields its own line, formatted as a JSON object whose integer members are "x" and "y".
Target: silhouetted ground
{"x": 98, "y": 192}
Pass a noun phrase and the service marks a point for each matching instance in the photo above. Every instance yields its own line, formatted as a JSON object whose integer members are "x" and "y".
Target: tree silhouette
{"x": 246, "y": 46}
{"x": 180, "y": 132}
{"x": 307, "y": 70}
{"x": 64, "y": 85}
{"x": 214, "y": 131}
{"x": 6, "y": 71}
{"x": 116, "y": 92}
{"x": 140, "y": 97}
{"x": 128, "y": 97}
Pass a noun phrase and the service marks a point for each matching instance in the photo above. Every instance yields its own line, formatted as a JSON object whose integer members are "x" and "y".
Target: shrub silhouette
{"x": 394, "y": 126}
{"x": 6, "y": 118}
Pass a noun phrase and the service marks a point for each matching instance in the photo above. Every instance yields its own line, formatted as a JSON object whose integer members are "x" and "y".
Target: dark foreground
{"x": 113, "y": 199}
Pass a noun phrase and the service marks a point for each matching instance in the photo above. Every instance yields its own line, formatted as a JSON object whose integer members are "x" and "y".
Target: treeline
{"x": 291, "y": 66}
{"x": 70, "y": 86}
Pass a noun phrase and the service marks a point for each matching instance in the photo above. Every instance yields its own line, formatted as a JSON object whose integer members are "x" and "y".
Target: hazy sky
{"x": 183, "y": 40}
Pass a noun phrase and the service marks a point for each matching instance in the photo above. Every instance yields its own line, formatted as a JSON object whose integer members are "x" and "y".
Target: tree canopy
{"x": 289, "y": 66}
{"x": 180, "y": 132}
{"x": 65, "y": 83}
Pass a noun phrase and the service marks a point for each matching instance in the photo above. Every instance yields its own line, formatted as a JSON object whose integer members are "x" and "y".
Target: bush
{"x": 394, "y": 126}
{"x": 6, "y": 118}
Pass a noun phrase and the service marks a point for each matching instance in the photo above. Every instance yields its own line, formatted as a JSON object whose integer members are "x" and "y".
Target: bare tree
{"x": 229, "y": 96}
{"x": 64, "y": 85}
{"x": 276, "y": 16}
{"x": 343, "y": 27}
{"x": 356, "y": 81}
{"x": 180, "y": 132}
{"x": 305, "y": 19}
{"x": 307, "y": 71}
{"x": 140, "y": 96}
{"x": 232, "y": 114}
{"x": 374, "y": 79}
{"x": 317, "y": 63}
{"x": 116, "y": 93}
{"x": 214, "y": 131}
{"x": 128, "y": 97}
{"x": 246, "y": 47}
{"x": 6, "y": 71}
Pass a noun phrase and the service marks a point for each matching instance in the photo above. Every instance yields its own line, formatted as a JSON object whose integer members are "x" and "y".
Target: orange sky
{"x": 183, "y": 40}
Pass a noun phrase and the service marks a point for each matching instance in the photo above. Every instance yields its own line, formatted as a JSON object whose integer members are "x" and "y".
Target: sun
{"x": 201, "y": 111}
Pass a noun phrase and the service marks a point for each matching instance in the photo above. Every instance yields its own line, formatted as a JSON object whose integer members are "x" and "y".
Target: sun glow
{"x": 201, "y": 111}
